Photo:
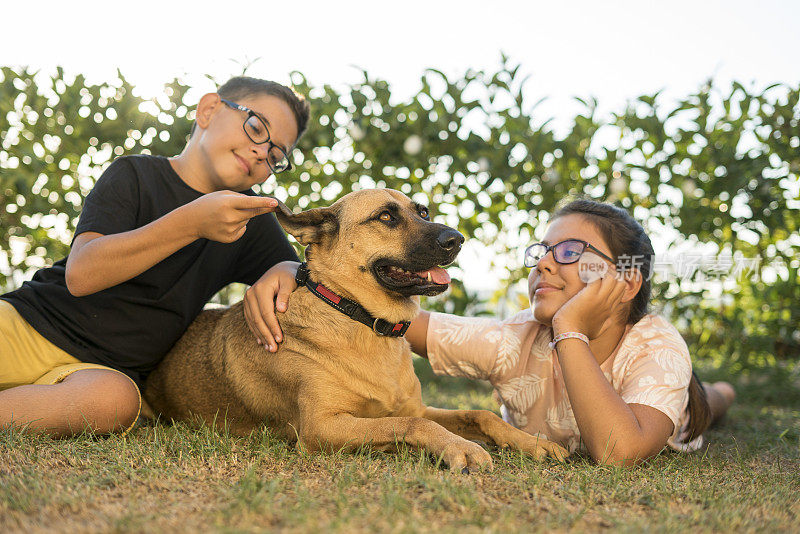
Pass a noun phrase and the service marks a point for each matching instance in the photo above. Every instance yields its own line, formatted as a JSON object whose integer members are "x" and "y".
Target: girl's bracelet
{"x": 568, "y": 335}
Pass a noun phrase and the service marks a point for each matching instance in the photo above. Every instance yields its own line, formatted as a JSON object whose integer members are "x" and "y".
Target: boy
{"x": 157, "y": 238}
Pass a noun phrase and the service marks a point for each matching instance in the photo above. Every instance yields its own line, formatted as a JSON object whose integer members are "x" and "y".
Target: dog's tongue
{"x": 437, "y": 275}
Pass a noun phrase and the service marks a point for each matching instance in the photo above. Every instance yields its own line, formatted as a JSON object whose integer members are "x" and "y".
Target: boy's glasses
{"x": 564, "y": 252}
{"x": 256, "y": 129}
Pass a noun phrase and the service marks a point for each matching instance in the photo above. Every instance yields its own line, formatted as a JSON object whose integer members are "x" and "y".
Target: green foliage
{"x": 720, "y": 168}
{"x": 57, "y": 134}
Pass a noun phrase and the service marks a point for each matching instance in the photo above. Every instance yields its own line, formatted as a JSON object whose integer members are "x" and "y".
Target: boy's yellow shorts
{"x": 28, "y": 358}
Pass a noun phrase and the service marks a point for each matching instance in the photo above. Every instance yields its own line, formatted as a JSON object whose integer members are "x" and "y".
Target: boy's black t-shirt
{"x": 131, "y": 326}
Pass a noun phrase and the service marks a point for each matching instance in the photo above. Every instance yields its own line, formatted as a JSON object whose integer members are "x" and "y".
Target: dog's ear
{"x": 310, "y": 226}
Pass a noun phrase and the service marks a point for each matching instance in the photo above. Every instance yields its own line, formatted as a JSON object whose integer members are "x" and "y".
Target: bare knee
{"x": 110, "y": 400}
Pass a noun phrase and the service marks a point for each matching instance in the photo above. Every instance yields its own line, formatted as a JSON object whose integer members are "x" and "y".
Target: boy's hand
{"x": 269, "y": 293}
{"x": 223, "y": 215}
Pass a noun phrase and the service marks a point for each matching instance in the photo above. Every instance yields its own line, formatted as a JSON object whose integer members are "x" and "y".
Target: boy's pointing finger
{"x": 245, "y": 214}
{"x": 255, "y": 203}
{"x": 251, "y": 207}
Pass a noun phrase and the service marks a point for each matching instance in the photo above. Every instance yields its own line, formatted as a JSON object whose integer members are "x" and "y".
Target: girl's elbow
{"x": 623, "y": 457}
{"x": 617, "y": 460}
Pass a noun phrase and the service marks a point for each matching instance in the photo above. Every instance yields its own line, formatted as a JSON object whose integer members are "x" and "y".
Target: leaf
{"x": 520, "y": 393}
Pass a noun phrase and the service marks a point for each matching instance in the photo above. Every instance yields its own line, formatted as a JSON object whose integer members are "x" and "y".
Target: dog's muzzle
{"x": 420, "y": 271}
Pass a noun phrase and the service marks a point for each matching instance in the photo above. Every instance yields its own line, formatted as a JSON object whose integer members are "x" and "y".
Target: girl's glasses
{"x": 256, "y": 129}
{"x": 564, "y": 252}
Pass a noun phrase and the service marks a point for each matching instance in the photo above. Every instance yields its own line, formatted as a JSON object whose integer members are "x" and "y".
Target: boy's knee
{"x": 122, "y": 403}
{"x": 112, "y": 399}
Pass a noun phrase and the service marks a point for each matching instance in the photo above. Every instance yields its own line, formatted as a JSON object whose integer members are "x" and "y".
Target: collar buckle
{"x": 380, "y": 332}
{"x": 388, "y": 329}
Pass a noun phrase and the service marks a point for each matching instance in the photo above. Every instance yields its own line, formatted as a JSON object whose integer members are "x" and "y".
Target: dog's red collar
{"x": 350, "y": 308}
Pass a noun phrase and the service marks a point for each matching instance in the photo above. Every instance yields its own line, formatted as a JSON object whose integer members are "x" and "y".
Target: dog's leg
{"x": 486, "y": 426}
{"x": 346, "y": 432}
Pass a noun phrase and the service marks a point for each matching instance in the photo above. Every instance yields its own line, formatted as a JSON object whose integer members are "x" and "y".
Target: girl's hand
{"x": 589, "y": 310}
{"x": 269, "y": 293}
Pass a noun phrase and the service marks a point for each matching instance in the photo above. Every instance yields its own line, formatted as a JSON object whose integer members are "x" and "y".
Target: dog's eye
{"x": 423, "y": 212}
{"x": 386, "y": 216}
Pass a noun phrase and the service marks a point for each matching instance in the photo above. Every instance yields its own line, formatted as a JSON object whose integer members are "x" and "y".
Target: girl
{"x": 587, "y": 365}
{"x": 157, "y": 238}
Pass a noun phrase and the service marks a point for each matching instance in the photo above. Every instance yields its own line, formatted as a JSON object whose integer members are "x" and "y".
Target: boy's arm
{"x": 98, "y": 261}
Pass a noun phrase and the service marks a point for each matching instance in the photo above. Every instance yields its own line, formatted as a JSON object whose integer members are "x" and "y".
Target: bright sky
{"x": 613, "y": 50}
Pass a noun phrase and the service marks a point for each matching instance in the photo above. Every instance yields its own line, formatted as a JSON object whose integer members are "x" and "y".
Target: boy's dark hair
{"x": 240, "y": 87}
{"x": 626, "y": 237}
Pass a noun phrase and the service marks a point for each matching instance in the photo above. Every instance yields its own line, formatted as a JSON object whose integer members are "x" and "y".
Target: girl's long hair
{"x": 626, "y": 237}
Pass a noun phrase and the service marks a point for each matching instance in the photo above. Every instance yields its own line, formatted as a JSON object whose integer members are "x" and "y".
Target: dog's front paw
{"x": 540, "y": 448}
{"x": 463, "y": 456}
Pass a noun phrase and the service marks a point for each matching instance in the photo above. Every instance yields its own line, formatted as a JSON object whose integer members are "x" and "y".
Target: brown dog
{"x": 335, "y": 383}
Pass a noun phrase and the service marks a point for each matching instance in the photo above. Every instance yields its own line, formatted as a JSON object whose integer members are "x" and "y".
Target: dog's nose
{"x": 449, "y": 239}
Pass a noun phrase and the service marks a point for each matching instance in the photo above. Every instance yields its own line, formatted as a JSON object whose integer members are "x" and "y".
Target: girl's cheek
{"x": 572, "y": 280}
{"x": 531, "y": 282}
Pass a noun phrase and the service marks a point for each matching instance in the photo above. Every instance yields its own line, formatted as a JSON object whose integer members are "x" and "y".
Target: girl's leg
{"x": 720, "y": 396}
{"x": 96, "y": 400}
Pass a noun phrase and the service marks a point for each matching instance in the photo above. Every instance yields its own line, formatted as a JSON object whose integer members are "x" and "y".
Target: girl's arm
{"x": 417, "y": 334}
{"x": 458, "y": 346}
{"x": 613, "y": 431}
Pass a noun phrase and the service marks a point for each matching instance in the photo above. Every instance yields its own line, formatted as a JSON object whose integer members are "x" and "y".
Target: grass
{"x": 178, "y": 478}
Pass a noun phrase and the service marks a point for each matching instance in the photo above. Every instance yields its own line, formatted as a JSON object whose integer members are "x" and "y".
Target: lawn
{"x": 178, "y": 478}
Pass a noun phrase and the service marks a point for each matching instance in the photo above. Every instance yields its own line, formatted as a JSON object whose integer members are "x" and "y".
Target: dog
{"x": 343, "y": 376}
